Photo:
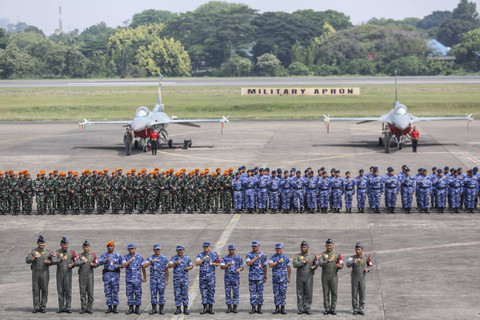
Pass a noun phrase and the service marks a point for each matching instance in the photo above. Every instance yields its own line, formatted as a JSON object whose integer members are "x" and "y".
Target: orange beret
{"x": 105, "y": 170}
{"x": 70, "y": 171}
{"x": 50, "y": 172}
{"x": 110, "y": 243}
{"x": 75, "y": 174}
{"x": 197, "y": 170}
{"x": 55, "y": 170}
{"x": 129, "y": 173}
{"x": 218, "y": 169}
{"x": 133, "y": 170}
{"x": 207, "y": 170}
{"x": 157, "y": 168}
{"x": 230, "y": 169}
{"x": 177, "y": 173}
{"x": 214, "y": 174}
{"x": 225, "y": 173}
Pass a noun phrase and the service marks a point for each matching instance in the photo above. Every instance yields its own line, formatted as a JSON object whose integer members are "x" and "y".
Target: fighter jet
{"x": 146, "y": 122}
{"x": 396, "y": 125}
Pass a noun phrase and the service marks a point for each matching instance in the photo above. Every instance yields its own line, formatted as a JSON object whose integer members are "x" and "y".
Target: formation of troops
{"x": 253, "y": 190}
{"x": 330, "y": 261}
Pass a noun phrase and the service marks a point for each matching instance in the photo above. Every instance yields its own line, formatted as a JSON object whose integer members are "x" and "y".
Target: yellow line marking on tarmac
{"x": 192, "y": 293}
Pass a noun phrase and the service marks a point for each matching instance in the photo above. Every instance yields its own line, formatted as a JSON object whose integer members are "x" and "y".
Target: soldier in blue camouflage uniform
{"x": 424, "y": 187}
{"x": 374, "y": 191}
{"x": 349, "y": 189}
{"x": 392, "y": 189}
{"x": 336, "y": 186}
{"x": 133, "y": 263}
{"x": 433, "y": 177}
{"x": 158, "y": 264}
{"x": 207, "y": 261}
{"x": 237, "y": 185}
{"x": 281, "y": 272}
{"x": 455, "y": 187}
{"x": 361, "y": 185}
{"x": 112, "y": 262}
{"x": 286, "y": 187}
{"x": 233, "y": 265}
{"x": 249, "y": 185}
{"x": 470, "y": 189}
{"x": 323, "y": 185}
{"x": 181, "y": 264}
{"x": 407, "y": 185}
{"x": 440, "y": 186}
{"x": 298, "y": 193}
{"x": 262, "y": 190}
{"x": 274, "y": 192}
{"x": 257, "y": 276}
{"x": 311, "y": 191}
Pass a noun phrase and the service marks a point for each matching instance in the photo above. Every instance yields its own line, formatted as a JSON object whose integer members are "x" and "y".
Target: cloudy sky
{"x": 83, "y": 13}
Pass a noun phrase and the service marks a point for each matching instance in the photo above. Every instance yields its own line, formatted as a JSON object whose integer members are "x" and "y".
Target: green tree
{"x": 150, "y": 16}
{"x": 24, "y": 39}
{"x": 435, "y": 19}
{"x": 466, "y": 11}
{"x": 16, "y": 64}
{"x": 94, "y": 39}
{"x": 298, "y": 69}
{"x": 451, "y": 31}
{"x": 468, "y": 51}
{"x": 3, "y": 39}
{"x": 406, "y": 66}
{"x": 236, "y": 66}
{"x": 269, "y": 65}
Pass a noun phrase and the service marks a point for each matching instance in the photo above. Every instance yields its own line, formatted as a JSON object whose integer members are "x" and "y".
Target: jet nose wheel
{"x": 170, "y": 143}
{"x": 136, "y": 145}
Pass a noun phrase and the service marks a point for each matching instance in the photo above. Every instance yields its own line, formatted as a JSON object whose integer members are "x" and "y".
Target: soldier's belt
{"x": 104, "y": 271}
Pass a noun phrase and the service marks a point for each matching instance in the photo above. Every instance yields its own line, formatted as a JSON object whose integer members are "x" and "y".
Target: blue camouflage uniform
{"x": 433, "y": 177}
{"x": 207, "y": 276}
{"x": 180, "y": 279}
{"x": 249, "y": 187}
{"x": 470, "y": 189}
{"x": 286, "y": 187}
{"x": 256, "y": 277}
{"x": 374, "y": 189}
{"x": 279, "y": 277}
{"x": 361, "y": 184}
{"x": 349, "y": 189}
{"x": 392, "y": 187}
{"x": 424, "y": 187}
{"x": 133, "y": 279}
{"x": 336, "y": 185}
{"x": 111, "y": 276}
{"x": 238, "y": 187}
{"x": 298, "y": 191}
{"x": 455, "y": 187}
{"x": 311, "y": 192}
{"x": 274, "y": 189}
{"x": 157, "y": 278}
{"x": 324, "y": 193}
{"x": 440, "y": 186}
{"x": 407, "y": 185}
{"x": 262, "y": 194}
{"x": 232, "y": 277}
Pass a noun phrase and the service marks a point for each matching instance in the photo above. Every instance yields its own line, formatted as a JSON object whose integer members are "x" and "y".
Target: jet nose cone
{"x": 138, "y": 125}
{"x": 402, "y": 123}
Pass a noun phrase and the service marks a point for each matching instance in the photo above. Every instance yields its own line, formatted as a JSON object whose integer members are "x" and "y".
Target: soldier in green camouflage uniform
{"x": 151, "y": 193}
{"x": 88, "y": 193}
{"x": 4, "y": 193}
{"x": 74, "y": 189}
{"x": 106, "y": 201}
{"x": 164, "y": 193}
{"x": 201, "y": 193}
{"x": 189, "y": 188}
{"x": 15, "y": 189}
{"x": 39, "y": 188}
{"x": 214, "y": 192}
{"x": 121, "y": 179}
{"x": 69, "y": 195}
{"x": 50, "y": 193}
{"x": 227, "y": 192}
{"x": 62, "y": 194}
{"x": 56, "y": 178}
{"x": 129, "y": 193}
{"x": 8, "y": 177}
{"x": 101, "y": 193}
{"x": 140, "y": 192}
{"x": 175, "y": 192}
{"x": 115, "y": 187}
{"x": 27, "y": 194}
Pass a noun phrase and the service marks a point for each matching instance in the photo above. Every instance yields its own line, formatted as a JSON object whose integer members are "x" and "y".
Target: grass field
{"x": 74, "y": 104}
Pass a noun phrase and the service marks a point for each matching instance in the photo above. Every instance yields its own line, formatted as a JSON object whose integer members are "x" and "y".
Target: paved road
{"x": 425, "y": 265}
{"x": 316, "y": 81}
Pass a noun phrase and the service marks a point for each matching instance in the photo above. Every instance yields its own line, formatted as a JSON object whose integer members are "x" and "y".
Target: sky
{"x": 80, "y": 14}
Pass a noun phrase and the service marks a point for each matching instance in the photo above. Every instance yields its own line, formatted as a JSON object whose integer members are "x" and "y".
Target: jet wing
{"x": 383, "y": 118}
{"x": 190, "y": 122}
{"x": 85, "y": 121}
{"x": 467, "y": 117}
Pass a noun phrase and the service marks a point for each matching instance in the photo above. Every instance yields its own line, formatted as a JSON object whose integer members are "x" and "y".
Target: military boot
{"x": 160, "y": 309}
{"x": 154, "y": 309}
{"x": 235, "y": 310}
{"x": 130, "y": 310}
{"x": 277, "y": 310}
{"x": 259, "y": 309}
{"x": 114, "y": 309}
{"x": 229, "y": 309}
{"x": 137, "y": 309}
{"x": 109, "y": 309}
{"x": 253, "y": 310}
{"x": 185, "y": 310}
{"x": 282, "y": 310}
{"x": 178, "y": 311}
{"x": 210, "y": 309}
{"x": 205, "y": 309}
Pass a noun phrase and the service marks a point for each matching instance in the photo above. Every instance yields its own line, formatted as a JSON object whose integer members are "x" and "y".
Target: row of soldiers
{"x": 135, "y": 267}
{"x": 250, "y": 190}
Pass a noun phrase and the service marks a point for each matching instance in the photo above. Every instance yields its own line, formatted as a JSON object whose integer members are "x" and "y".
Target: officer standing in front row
{"x": 40, "y": 260}
{"x": 360, "y": 265}
{"x": 233, "y": 265}
{"x": 257, "y": 276}
{"x": 207, "y": 260}
{"x": 281, "y": 271}
{"x": 86, "y": 263}
{"x": 158, "y": 278}
{"x": 64, "y": 260}
{"x": 181, "y": 264}
{"x": 306, "y": 264}
{"x": 133, "y": 263}
{"x": 331, "y": 262}
{"x": 112, "y": 262}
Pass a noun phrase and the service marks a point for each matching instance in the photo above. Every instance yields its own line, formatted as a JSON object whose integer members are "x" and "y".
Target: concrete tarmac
{"x": 424, "y": 265}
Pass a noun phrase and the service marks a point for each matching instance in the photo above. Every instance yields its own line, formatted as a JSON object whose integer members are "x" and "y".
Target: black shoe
{"x": 137, "y": 309}
{"x": 130, "y": 310}
{"x": 69, "y": 311}
{"x": 185, "y": 310}
{"x": 160, "y": 309}
{"x": 205, "y": 309}
{"x": 114, "y": 309}
{"x": 235, "y": 310}
{"x": 326, "y": 312}
{"x": 59, "y": 310}
{"x": 282, "y": 310}
{"x": 277, "y": 310}
{"x": 89, "y": 311}
{"x": 35, "y": 310}
{"x": 259, "y": 309}
{"x": 333, "y": 312}
{"x": 253, "y": 310}
{"x": 210, "y": 309}
{"x": 109, "y": 309}
{"x": 300, "y": 312}
{"x": 308, "y": 312}
{"x": 82, "y": 311}
{"x": 361, "y": 312}
{"x": 229, "y": 308}
{"x": 154, "y": 309}
{"x": 355, "y": 313}
{"x": 178, "y": 311}
{"x": 43, "y": 310}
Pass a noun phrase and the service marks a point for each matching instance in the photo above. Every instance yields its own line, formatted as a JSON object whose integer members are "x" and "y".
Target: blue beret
{"x": 347, "y": 172}
{"x": 255, "y": 243}
{"x": 267, "y": 169}
{"x": 475, "y": 168}
{"x": 298, "y": 171}
{"x": 180, "y": 247}
{"x": 279, "y": 246}
{"x": 424, "y": 170}
{"x": 293, "y": 170}
{"x": 304, "y": 244}
{"x": 157, "y": 247}
{"x": 407, "y": 169}
{"x": 358, "y": 245}
{"x": 231, "y": 246}
{"x": 307, "y": 170}
{"x": 446, "y": 168}
{"x": 455, "y": 171}
{"x": 237, "y": 173}
{"x": 372, "y": 167}
{"x": 333, "y": 170}
{"x": 420, "y": 169}
{"x": 40, "y": 239}
{"x": 404, "y": 166}
{"x": 131, "y": 246}
{"x": 375, "y": 169}
{"x": 249, "y": 170}
{"x": 240, "y": 168}
{"x": 64, "y": 240}
{"x": 279, "y": 170}
{"x": 460, "y": 168}
{"x": 86, "y": 244}
{"x": 439, "y": 171}
{"x": 329, "y": 241}
{"x": 261, "y": 169}
{"x": 274, "y": 172}
{"x": 206, "y": 244}
{"x": 322, "y": 168}
{"x": 255, "y": 168}
{"x": 286, "y": 171}
{"x": 390, "y": 169}
{"x": 435, "y": 168}
{"x": 361, "y": 170}
{"x": 337, "y": 171}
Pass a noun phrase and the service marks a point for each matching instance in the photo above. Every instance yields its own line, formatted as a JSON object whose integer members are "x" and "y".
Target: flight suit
{"x": 64, "y": 277}
{"x": 207, "y": 277}
{"x": 86, "y": 278}
{"x": 40, "y": 276}
{"x": 330, "y": 278}
{"x": 232, "y": 278}
{"x": 255, "y": 277}
{"x": 359, "y": 280}
{"x": 303, "y": 263}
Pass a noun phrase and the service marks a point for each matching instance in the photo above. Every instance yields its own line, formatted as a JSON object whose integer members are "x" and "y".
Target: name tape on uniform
{"x": 300, "y": 91}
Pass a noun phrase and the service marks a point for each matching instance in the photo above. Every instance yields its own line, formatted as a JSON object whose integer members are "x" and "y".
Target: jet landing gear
{"x": 141, "y": 144}
{"x": 163, "y": 135}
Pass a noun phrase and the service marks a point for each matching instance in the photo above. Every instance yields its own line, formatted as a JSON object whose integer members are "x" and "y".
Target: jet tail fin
{"x": 159, "y": 106}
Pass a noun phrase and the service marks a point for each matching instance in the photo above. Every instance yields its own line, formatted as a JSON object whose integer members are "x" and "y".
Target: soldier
{"x": 128, "y": 192}
{"x": 249, "y": 185}
{"x": 331, "y": 262}
{"x": 455, "y": 186}
{"x": 112, "y": 262}
{"x": 214, "y": 195}
{"x": 64, "y": 259}
{"x": 281, "y": 272}
{"x": 151, "y": 192}
{"x": 202, "y": 190}
{"x": 207, "y": 261}
{"x": 39, "y": 190}
{"x": 470, "y": 187}
{"x": 440, "y": 186}
{"x": 238, "y": 188}
{"x": 274, "y": 192}
{"x": 298, "y": 193}
{"x": 374, "y": 191}
{"x": 311, "y": 191}
{"x": 349, "y": 189}
{"x": 15, "y": 189}
{"x": 262, "y": 191}
{"x": 433, "y": 177}
{"x": 86, "y": 263}
{"x": 424, "y": 187}
{"x": 158, "y": 278}
{"x": 101, "y": 192}
{"x": 88, "y": 192}
{"x": 164, "y": 192}
{"x": 115, "y": 187}
{"x": 392, "y": 189}
{"x": 227, "y": 192}
{"x": 181, "y": 264}
{"x": 233, "y": 265}
{"x": 286, "y": 187}
{"x": 62, "y": 195}
{"x": 336, "y": 185}
{"x": 133, "y": 263}
{"x": 257, "y": 276}
{"x": 407, "y": 184}
{"x": 306, "y": 264}
{"x": 361, "y": 184}
{"x": 4, "y": 193}
{"x": 27, "y": 194}
{"x": 40, "y": 260}
{"x": 360, "y": 265}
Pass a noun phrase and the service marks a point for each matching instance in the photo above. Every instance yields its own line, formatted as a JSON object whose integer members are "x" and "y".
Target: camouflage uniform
{"x": 27, "y": 195}
{"x": 39, "y": 187}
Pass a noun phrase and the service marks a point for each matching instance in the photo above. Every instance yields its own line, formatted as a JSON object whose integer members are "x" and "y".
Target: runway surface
{"x": 289, "y": 81}
{"x": 425, "y": 266}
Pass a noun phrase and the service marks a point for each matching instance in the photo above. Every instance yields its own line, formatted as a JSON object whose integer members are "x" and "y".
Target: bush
{"x": 235, "y": 67}
{"x": 361, "y": 66}
{"x": 324, "y": 70}
{"x": 406, "y": 66}
{"x": 298, "y": 69}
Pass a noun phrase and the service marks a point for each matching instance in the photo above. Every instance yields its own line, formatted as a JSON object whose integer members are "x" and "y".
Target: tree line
{"x": 231, "y": 39}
